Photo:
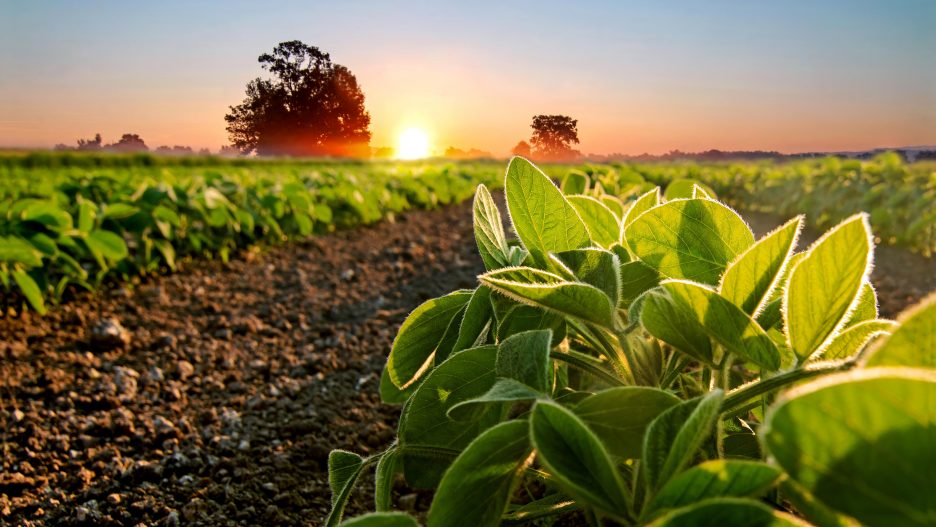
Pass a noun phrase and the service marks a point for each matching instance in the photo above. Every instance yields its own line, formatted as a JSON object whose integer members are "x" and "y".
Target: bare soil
{"x": 218, "y": 402}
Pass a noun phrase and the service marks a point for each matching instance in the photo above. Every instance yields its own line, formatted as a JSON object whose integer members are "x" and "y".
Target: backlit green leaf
{"x": 542, "y": 217}
{"x": 620, "y": 416}
{"x": 343, "y": 470}
{"x": 714, "y": 479}
{"x": 553, "y": 293}
{"x": 601, "y": 222}
{"x": 673, "y": 438}
{"x": 424, "y": 421}
{"x": 489, "y": 230}
{"x": 721, "y": 320}
{"x": 420, "y": 335}
{"x": 823, "y": 286}
{"x": 721, "y": 512}
{"x": 576, "y": 458}
{"x": 913, "y": 343}
{"x": 853, "y": 338}
{"x": 862, "y": 442}
{"x": 692, "y": 239}
{"x": 593, "y": 266}
{"x": 750, "y": 279}
{"x": 478, "y": 485}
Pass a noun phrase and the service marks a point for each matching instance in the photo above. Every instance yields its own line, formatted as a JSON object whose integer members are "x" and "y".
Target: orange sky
{"x": 639, "y": 77}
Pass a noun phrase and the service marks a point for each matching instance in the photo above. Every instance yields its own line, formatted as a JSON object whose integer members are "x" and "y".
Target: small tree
{"x": 553, "y": 137}
{"x": 90, "y": 144}
{"x": 128, "y": 143}
{"x": 522, "y": 149}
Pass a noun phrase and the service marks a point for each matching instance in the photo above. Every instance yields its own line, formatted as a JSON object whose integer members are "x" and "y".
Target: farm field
{"x": 232, "y": 379}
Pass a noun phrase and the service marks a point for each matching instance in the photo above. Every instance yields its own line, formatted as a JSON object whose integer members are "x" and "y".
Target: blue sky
{"x": 639, "y": 76}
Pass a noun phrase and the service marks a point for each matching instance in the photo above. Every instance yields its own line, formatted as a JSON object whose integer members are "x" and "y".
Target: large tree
{"x": 309, "y": 107}
{"x": 553, "y": 137}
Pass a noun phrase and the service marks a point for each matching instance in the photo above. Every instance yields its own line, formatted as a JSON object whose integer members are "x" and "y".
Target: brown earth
{"x": 219, "y": 402}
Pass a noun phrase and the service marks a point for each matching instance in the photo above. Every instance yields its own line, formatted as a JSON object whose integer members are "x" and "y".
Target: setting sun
{"x": 413, "y": 143}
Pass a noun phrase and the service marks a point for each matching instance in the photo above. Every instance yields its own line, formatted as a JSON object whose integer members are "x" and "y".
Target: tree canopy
{"x": 553, "y": 137}
{"x": 309, "y": 107}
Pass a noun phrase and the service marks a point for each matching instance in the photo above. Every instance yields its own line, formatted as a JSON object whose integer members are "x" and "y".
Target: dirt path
{"x": 237, "y": 380}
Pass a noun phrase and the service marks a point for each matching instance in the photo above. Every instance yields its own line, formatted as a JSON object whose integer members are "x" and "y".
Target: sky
{"x": 640, "y": 77}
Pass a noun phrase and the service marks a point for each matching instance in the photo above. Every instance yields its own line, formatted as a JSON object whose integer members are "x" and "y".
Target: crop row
{"x": 77, "y": 221}
{"x": 899, "y": 197}
{"x": 649, "y": 361}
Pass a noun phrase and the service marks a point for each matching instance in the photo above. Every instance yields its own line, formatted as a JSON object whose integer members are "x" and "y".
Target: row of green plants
{"x": 68, "y": 226}
{"x": 648, "y": 361}
{"x": 898, "y": 197}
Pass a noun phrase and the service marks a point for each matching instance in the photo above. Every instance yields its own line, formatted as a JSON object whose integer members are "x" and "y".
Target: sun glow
{"x": 413, "y": 143}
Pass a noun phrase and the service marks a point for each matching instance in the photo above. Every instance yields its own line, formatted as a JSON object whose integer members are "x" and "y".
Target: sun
{"x": 413, "y": 143}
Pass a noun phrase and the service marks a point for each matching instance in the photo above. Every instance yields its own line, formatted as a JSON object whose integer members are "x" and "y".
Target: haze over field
{"x": 801, "y": 76}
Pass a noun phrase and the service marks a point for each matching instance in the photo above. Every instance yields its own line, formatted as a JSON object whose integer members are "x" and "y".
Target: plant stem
{"x": 737, "y": 398}
{"x": 587, "y": 366}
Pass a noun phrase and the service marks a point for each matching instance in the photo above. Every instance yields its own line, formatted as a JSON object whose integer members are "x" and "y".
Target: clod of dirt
{"x": 107, "y": 334}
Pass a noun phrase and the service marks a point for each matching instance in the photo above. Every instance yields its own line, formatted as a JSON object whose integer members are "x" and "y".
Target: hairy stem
{"x": 582, "y": 364}
{"x": 737, "y": 398}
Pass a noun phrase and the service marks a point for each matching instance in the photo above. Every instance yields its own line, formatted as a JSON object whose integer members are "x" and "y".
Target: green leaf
{"x": 343, "y": 470}
{"x": 542, "y": 217}
{"x": 49, "y": 215}
{"x": 616, "y": 206}
{"x": 702, "y": 191}
{"x": 913, "y": 343}
{"x": 489, "y": 230}
{"x": 424, "y": 421}
{"x": 390, "y": 394}
{"x": 721, "y": 512}
{"x": 673, "y": 438}
{"x": 721, "y": 320}
{"x": 119, "y": 211}
{"x": 824, "y": 285}
{"x": 684, "y": 189}
{"x": 854, "y": 338}
{"x": 593, "y": 266}
{"x": 749, "y": 280}
{"x": 29, "y": 289}
{"x": 600, "y": 221}
{"x": 673, "y": 323}
{"x": 384, "y": 474}
{"x": 108, "y": 244}
{"x": 87, "y": 211}
{"x": 620, "y": 416}
{"x": 477, "y": 487}
{"x": 382, "y": 519}
{"x": 521, "y": 317}
{"x": 718, "y": 478}
{"x": 524, "y": 357}
{"x": 577, "y": 460}
{"x": 867, "y": 307}
{"x": 645, "y": 202}
{"x": 692, "y": 239}
{"x": 420, "y": 335}
{"x": 17, "y": 250}
{"x": 862, "y": 443}
{"x": 477, "y": 320}
{"x": 636, "y": 279}
{"x": 503, "y": 391}
{"x": 575, "y": 182}
{"x": 551, "y": 292}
